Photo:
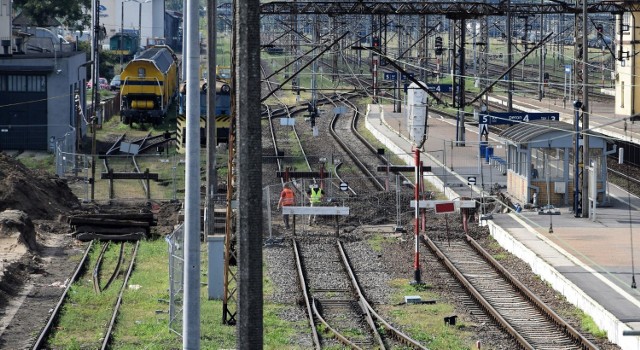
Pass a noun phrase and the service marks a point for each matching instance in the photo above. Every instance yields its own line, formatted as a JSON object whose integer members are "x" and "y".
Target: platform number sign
{"x": 344, "y": 186}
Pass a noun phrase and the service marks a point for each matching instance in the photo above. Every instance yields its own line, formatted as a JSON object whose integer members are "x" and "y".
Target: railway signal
{"x": 438, "y": 45}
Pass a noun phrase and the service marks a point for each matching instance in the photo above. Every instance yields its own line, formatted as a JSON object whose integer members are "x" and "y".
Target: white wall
{"x": 151, "y": 21}
{"x": 5, "y": 20}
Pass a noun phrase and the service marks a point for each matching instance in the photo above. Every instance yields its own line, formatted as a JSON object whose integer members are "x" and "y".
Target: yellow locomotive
{"x": 149, "y": 83}
{"x": 223, "y": 114}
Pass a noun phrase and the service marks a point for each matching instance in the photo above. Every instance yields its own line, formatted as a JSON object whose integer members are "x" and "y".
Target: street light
{"x": 122, "y": 32}
{"x": 140, "y": 19}
{"x": 122, "y": 26}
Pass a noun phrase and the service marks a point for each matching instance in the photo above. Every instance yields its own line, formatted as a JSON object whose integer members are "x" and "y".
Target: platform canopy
{"x": 538, "y": 165}
{"x": 547, "y": 133}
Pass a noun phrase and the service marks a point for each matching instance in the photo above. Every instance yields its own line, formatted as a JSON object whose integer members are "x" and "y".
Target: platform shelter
{"x": 540, "y": 163}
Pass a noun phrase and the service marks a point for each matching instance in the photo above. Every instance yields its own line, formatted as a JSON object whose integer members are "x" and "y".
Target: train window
{"x": 142, "y": 72}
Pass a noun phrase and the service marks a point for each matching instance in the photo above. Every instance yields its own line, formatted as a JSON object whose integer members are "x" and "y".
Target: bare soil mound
{"x": 40, "y": 195}
{"x": 16, "y": 232}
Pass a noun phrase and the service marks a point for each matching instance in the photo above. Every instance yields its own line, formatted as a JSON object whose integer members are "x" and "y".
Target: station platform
{"x": 602, "y": 118}
{"x": 589, "y": 260}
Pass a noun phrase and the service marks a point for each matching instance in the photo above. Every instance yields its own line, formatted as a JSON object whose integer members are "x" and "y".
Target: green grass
{"x": 590, "y": 326}
{"x": 376, "y": 242}
{"x": 143, "y": 319}
{"x": 85, "y": 313}
{"x": 45, "y": 163}
{"x": 425, "y": 322}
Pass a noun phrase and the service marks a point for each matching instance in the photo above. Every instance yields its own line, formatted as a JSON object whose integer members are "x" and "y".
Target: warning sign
{"x": 446, "y": 207}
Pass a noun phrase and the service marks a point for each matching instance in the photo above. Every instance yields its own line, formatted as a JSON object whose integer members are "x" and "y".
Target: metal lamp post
{"x": 140, "y": 19}
{"x": 122, "y": 30}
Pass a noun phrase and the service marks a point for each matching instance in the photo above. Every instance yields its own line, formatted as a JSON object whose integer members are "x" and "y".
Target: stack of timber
{"x": 113, "y": 227}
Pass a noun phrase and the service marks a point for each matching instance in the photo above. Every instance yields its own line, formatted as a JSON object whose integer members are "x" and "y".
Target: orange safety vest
{"x": 287, "y": 197}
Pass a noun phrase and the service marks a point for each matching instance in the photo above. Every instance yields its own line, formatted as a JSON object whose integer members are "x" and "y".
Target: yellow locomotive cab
{"x": 141, "y": 104}
{"x": 149, "y": 83}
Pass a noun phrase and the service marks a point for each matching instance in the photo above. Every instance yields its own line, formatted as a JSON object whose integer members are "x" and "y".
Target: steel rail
{"x": 369, "y": 310}
{"x": 305, "y": 294}
{"x": 550, "y": 314}
{"x": 372, "y": 178}
{"x": 337, "y": 334}
{"x": 519, "y": 288}
{"x": 96, "y": 270}
{"x": 116, "y": 271}
{"x": 476, "y": 295}
{"x": 46, "y": 330}
{"x": 108, "y": 335}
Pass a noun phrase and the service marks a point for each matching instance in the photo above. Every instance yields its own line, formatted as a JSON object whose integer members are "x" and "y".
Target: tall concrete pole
{"x": 541, "y": 62}
{"x": 191, "y": 304}
{"x": 314, "y": 65}
{"x": 249, "y": 155}
{"x": 183, "y": 74}
{"x": 585, "y": 112}
{"x": 212, "y": 178}
{"x": 509, "y": 60}
{"x": 96, "y": 92}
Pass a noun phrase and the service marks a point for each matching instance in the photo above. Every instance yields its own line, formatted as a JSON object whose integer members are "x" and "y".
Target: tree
{"x": 72, "y": 13}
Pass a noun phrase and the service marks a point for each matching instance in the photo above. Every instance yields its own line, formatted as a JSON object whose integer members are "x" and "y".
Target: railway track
{"x": 531, "y": 323}
{"x": 107, "y": 332}
{"x": 334, "y": 299}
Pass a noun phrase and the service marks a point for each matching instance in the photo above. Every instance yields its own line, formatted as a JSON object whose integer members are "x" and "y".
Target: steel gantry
{"x": 468, "y": 9}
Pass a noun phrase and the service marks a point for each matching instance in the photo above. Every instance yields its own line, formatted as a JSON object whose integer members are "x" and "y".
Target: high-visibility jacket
{"x": 316, "y": 195}
{"x": 287, "y": 197}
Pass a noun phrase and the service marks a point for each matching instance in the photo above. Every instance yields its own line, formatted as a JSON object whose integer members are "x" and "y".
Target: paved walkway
{"x": 589, "y": 262}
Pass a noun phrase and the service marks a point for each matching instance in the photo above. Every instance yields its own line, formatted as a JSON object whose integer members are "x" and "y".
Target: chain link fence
{"x": 175, "y": 242}
{"x": 169, "y": 168}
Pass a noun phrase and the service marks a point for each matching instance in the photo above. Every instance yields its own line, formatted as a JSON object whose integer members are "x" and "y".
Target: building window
{"x": 626, "y": 22}
{"x": 36, "y": 83}
{"x": 17, "y": 83}
{"x": 23, "y": 83}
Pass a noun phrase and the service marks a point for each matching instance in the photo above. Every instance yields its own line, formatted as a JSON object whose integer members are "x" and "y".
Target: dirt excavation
{"x": 38, "y": 251}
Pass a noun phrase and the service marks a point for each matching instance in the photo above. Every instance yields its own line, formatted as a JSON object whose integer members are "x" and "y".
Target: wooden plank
{"x": 107, "y": 222}
{"x": 110, "y": 230}
{"x": 128, "y": 176}
{"x": 124, "y": 216}
{"x": 88, "y": 236}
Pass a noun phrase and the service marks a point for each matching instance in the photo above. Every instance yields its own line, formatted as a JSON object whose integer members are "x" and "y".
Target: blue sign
{"x": 390, "y": 75}
{"x": 433, "y": 87}
{"x": 567, "y": 69}
{"x": 494, "y": 118}
{"x": 404, "y": 77}
{"x": 439, "y": 87}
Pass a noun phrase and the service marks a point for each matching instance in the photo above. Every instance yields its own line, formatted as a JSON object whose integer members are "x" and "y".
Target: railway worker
{"x": 316, "y": 194}
{"x": 534, "y": 172}
{"x": 287, "y": 198}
